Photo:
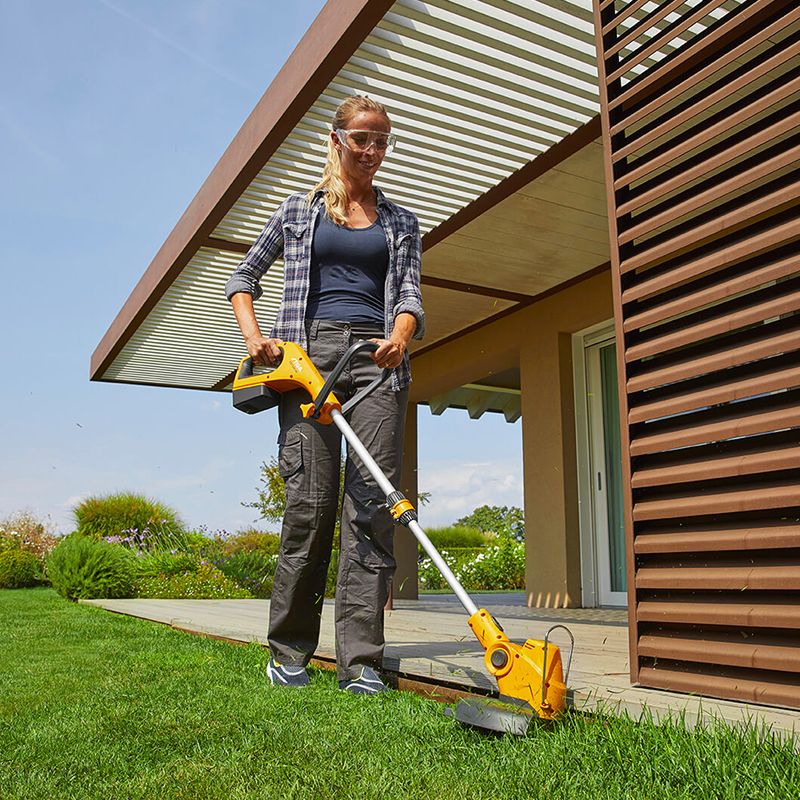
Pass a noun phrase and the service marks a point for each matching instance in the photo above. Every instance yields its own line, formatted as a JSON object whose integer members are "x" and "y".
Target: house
{"x": 610, "y": 254}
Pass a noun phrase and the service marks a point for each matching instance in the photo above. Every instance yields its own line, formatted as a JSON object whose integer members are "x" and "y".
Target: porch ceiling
{"x": 478, "y": 93}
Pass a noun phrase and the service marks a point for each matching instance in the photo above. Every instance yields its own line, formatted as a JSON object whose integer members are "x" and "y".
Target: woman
{"x": 352, "y": 268}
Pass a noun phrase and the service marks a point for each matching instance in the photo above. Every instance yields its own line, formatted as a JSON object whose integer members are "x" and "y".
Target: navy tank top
{"x": 348, "y": 272}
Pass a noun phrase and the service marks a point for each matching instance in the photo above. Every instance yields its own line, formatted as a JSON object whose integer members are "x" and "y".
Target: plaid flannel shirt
{"x": 288, "y": 233}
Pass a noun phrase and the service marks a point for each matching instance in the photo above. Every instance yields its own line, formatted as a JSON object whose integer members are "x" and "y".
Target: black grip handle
{"x": 247, "y": 367}
{"x": 353, "y": 350}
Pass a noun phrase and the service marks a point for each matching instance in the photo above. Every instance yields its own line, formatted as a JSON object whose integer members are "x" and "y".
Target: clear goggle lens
{"x": 360, "y": 141}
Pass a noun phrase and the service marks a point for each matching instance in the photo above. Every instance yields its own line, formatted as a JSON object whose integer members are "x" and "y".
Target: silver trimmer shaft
{"x": 386, "y": 487}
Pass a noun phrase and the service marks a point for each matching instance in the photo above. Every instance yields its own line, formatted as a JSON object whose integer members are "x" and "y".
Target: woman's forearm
{"x": 404, "y": 326}
{"x": 242, "y": 303}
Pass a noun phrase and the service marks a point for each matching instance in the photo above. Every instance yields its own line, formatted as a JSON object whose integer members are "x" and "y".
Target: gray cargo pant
{"x": 309, "y": 462}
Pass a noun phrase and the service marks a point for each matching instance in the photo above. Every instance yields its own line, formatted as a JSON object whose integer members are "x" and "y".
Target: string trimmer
{"x": 529, "y": 676}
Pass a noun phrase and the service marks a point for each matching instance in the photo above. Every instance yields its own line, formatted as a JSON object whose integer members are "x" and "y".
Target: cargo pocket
{"x": 290, "y": 454}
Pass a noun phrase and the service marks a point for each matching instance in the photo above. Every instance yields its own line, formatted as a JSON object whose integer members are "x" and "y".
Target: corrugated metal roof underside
{"x": 183, "y": 342}
{"x": 475, "y": 92}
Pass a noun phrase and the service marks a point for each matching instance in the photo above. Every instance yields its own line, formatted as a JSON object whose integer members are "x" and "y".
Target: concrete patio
{"x": 429, "y": 640}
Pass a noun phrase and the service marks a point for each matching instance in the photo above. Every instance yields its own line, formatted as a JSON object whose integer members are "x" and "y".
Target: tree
{"x": 271, "y": 502}
{"x": 502, "y": 520}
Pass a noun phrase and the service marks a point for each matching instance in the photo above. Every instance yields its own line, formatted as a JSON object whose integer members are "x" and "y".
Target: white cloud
{"x": 457, "y": 488}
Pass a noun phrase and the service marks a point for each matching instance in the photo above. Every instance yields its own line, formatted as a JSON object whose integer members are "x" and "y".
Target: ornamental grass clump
{"x": 456, "y": 536}
{"x": 19, "y": 569}
{"x": 252, "y": 540}
{"x": 131, "y": 520}
{"x": 82, "y": 568}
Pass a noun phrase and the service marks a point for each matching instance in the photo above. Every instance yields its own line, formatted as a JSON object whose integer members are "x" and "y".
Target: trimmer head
{"x": 503, "y": 715}
{"x": 531, "y": 672}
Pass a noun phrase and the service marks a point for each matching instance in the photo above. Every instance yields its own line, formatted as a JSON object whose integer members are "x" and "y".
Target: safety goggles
{"x": 359, "y": 141}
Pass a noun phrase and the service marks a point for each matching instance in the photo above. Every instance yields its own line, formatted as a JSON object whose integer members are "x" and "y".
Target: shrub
{"x": 428, "y": 572}
{"x": 149, "y": 565}
{"x": 502, "y": 520}
{"x": 252, "y": 570}
{"x": 251, "y": 541}
{"x": 205, "y": 546}
{"x": 80, "y": 567}
{"x": 207, "y": 583}
{"x": 499, "y": 566}
{"x": 455, "y": 536}
{"x": 24, "y": 531}
{"x": 131, "y": 520}
{"x": 18, "y": 569}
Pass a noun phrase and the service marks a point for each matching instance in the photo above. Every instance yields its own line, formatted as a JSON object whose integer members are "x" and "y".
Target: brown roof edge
{"x": 336, "y": 33}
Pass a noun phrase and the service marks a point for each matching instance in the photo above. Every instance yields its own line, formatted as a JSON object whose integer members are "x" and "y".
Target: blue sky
{"x": 112, "y": 113}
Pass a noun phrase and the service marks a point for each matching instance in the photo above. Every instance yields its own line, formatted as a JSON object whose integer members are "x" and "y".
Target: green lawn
{"x": 96, "y": 705}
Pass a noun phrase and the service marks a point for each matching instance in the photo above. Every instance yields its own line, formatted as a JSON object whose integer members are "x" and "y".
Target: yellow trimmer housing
{"x": 254, "y": 392}
{"x": 531, "y": 672}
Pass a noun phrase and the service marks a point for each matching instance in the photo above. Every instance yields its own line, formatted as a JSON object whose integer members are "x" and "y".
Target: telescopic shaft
{"x": 386, "y": 487}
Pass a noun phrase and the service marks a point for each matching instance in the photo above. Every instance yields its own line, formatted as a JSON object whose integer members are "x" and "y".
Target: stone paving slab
{"x": 430, "y": 639}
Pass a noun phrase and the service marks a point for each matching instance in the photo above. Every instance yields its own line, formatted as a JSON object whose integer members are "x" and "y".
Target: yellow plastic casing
{"x": 296, "y": 371}
{"x": 521, "y": 674}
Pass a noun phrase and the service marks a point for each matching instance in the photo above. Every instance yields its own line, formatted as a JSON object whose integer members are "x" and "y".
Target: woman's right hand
{"x": 263, "y": 350}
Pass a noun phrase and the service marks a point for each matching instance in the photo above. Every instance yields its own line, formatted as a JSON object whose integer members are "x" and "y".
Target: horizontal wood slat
{"x": 723, "y": 322}
{"x": 781, "y": 233}
{"x": 750, "y": 690}
{"x": 732, "y": 613}
{"x": 775, "y": 271}
{"x": 730, "y": 653}
{"x": 728, "y": 502}
{"x": 698, "y": 541}
{"x": 773, "y": 202}
{"x": 682, "y": 82}
{"x": 714, "y": 468}
{"x": 737, "y": 579}
{"x": 697, "y": 107}
{"x": 641, "y": 53}
{"x": 696, "y": 52}
{"x": 748, "y": 424}
{"x": 723, "y": 392}
{"x": 718, "y": 360}
{"x": 758, "y": 172}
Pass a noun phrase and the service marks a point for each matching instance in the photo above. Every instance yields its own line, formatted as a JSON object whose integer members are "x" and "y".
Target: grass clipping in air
{"x": 97, "y": 705}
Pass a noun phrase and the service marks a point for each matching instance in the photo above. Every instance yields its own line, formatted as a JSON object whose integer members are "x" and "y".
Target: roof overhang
{"x": 488, "y": 99}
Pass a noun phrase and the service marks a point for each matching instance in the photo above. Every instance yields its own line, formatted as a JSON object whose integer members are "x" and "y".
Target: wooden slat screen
{"x": 701, "y": 125}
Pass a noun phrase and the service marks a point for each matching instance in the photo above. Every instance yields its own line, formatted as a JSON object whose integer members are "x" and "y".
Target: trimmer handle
{"x": 246, "y": 367}
{"x": 354, "y": 349}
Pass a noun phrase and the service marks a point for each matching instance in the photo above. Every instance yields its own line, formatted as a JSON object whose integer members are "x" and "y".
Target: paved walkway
{"x": 430, "y": 639}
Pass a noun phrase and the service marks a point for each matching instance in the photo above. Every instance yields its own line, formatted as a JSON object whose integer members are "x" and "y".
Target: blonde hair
{"x": 336, "y": 196}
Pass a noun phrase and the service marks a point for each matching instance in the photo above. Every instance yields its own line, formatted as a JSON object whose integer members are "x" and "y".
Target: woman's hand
{"x": 263, "y": 350}
{"x": 389, "y": 353}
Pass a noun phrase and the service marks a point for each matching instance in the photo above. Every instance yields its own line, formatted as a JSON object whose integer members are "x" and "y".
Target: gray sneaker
{"x": 367, "y": 682}
{"x": 283, "y": 675}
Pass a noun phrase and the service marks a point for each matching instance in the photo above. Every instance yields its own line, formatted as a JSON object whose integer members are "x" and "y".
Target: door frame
{"x": 601, "y": 333}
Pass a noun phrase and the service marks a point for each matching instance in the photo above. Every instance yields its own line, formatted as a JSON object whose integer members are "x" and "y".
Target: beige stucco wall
{"x": 537, "y": 339}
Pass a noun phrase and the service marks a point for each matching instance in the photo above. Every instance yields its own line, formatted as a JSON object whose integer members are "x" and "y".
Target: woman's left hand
{"x": 389, "y": 353}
